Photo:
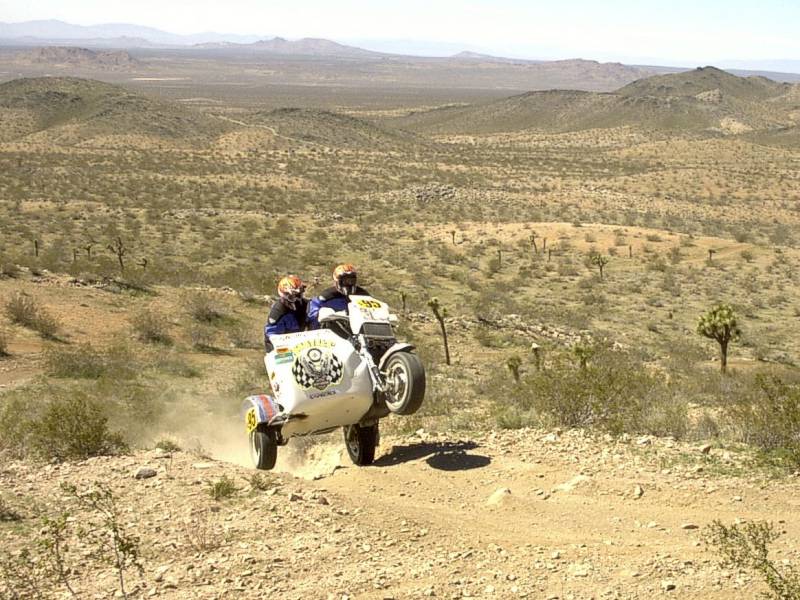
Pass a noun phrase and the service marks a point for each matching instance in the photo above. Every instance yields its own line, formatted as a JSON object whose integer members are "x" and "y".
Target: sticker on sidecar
{"x": 317, "y": 367}
{"x": 284, "y": 358}
{"x": 251, "y": 420}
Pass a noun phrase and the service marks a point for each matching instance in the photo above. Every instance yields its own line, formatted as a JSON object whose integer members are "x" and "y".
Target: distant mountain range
{"x": 125, "y": 35}
{"x": 302, "y": 47}
{"x": 39, "y": 32}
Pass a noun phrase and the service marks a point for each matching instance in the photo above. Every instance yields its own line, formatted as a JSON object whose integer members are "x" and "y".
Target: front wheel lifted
{"x": 263, "y": 449}
{"x": 361, "y": 442}
{"x": 405, "y": 379}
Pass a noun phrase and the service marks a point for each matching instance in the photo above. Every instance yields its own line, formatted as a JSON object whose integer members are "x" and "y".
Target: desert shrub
{"x": 489, "y": 338}
{"x": 24, "y": 310}
{"x": 168, "y": 445}
{"x": 656, "y": 262}
{"x": 7, "y": 513}
{"x": 566, "y": 268}
{"x": 13, "y": 426}
{"x": 202, "y": 336}
{"x": 173, "y": 363}
{"x": 151, "y": 326}
{"x": 222, "y": 488}
{"x": 746, "y": 546}
{"x": 9, "y": 269}
{"x": 81, "y": 361}
{"x": 613, "y": 392}
{"x": 84, "y": 361}
{"x": 768, "y": 416}
{"x": 259, "y": 482}
{"x": 245, "y": 336}
{"x": 203, "y": 307}
{"x": 71, "y": 426}
{"x": 5, "y": 340}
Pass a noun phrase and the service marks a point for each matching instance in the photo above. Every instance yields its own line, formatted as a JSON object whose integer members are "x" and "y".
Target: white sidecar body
{"x": 318, "y": 381}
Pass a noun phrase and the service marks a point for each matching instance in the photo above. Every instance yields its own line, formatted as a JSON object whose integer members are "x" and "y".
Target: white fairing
{"x": 366, "y": 309}
{"x": 318, "y": 381}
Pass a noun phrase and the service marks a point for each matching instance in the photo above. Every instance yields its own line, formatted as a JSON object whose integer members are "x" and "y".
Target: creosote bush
{"x": 8, "y": 513}
{"x": 72, "y": 426}
{"x": 767, "y": 416}
{"x": 222, "y": 488}
{"x": 610, "y": 391}
{"x": 84, "y": 361}
{"x": 746, "y": 546}
{"x": 23, "y": 309}
{"x": 203, "y": 307}
{"x": 151, "y": 326}
{"x": 202, "y": 337}
{"x": 5, "y": 340}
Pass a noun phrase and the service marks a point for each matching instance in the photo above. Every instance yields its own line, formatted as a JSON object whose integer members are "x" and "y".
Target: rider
{"x": 345, "y": 283}
{"x": 289, "y": 313}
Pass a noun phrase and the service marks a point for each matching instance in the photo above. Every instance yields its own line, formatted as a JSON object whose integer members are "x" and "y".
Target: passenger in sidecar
{"x": 289, "y": 314}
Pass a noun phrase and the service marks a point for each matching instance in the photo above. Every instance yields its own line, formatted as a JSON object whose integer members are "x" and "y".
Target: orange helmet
{"x": 290, "y": 290}
{"x": 345, "y": 278}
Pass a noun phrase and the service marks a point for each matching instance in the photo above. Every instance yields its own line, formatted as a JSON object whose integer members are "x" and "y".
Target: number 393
{"x": 369, "y": 304}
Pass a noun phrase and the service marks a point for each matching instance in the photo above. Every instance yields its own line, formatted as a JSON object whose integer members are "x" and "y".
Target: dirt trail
{"x": 560, "y": 516}
{"x": 527, "y": 514}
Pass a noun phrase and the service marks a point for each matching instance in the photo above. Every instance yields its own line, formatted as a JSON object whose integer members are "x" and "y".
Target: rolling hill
{"x": 703, "y": 100}
{"x": 78, "y": 57}
{"x": 332, "y": 130}
{"x": 73, "y": 110}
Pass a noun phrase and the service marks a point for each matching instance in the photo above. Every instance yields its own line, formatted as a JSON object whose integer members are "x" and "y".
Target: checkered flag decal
{"x": 336, "y": 369}
{"x": 319, "y": 373}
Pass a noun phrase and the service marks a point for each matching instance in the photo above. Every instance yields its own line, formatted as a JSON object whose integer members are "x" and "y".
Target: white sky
{"x": 694, "y": 32}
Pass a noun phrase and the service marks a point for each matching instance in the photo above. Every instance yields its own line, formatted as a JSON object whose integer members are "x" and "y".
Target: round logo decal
{"x": 318, "y": 368}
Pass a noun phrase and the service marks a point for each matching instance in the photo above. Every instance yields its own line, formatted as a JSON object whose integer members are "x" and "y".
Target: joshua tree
{"x": 711, "y": 253}
{"x": 537, "y": 355}
{"x": 36, "y": 248}
{"x": 118, "y": 248}
{"x": 584, "y": 350}
{"x": 440, "y": 313}
{"x": 533, "y": 241}
{"x": 720, "y": 324}
{"x": 600, "y": 262}
{"x": 88, "y": 247}
{"x": 453, "y": 234}
{"x": 403, "y": 299}
{"x": 514, "y": 363}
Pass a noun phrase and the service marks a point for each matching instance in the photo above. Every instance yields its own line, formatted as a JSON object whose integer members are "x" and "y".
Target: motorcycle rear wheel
{"x": 405, "y": 378}
{"x": 361, "y": 443}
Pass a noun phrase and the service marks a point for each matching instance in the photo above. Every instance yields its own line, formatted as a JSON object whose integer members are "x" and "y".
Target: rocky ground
{"x": 525, "y": 514}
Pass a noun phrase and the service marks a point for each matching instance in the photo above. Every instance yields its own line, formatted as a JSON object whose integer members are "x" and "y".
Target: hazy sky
{"x": 688, "y": 31}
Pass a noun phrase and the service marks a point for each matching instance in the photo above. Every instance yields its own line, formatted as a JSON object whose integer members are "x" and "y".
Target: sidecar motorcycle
{"x": 351, "y": 373}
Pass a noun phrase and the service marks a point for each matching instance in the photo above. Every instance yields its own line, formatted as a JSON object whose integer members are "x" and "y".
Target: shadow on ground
{"x": 445, "y": 456}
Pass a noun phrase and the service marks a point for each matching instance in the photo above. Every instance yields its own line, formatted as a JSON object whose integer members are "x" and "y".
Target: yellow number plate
{"x": 251, "y": 420}
{"x": 369, "y": 304}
